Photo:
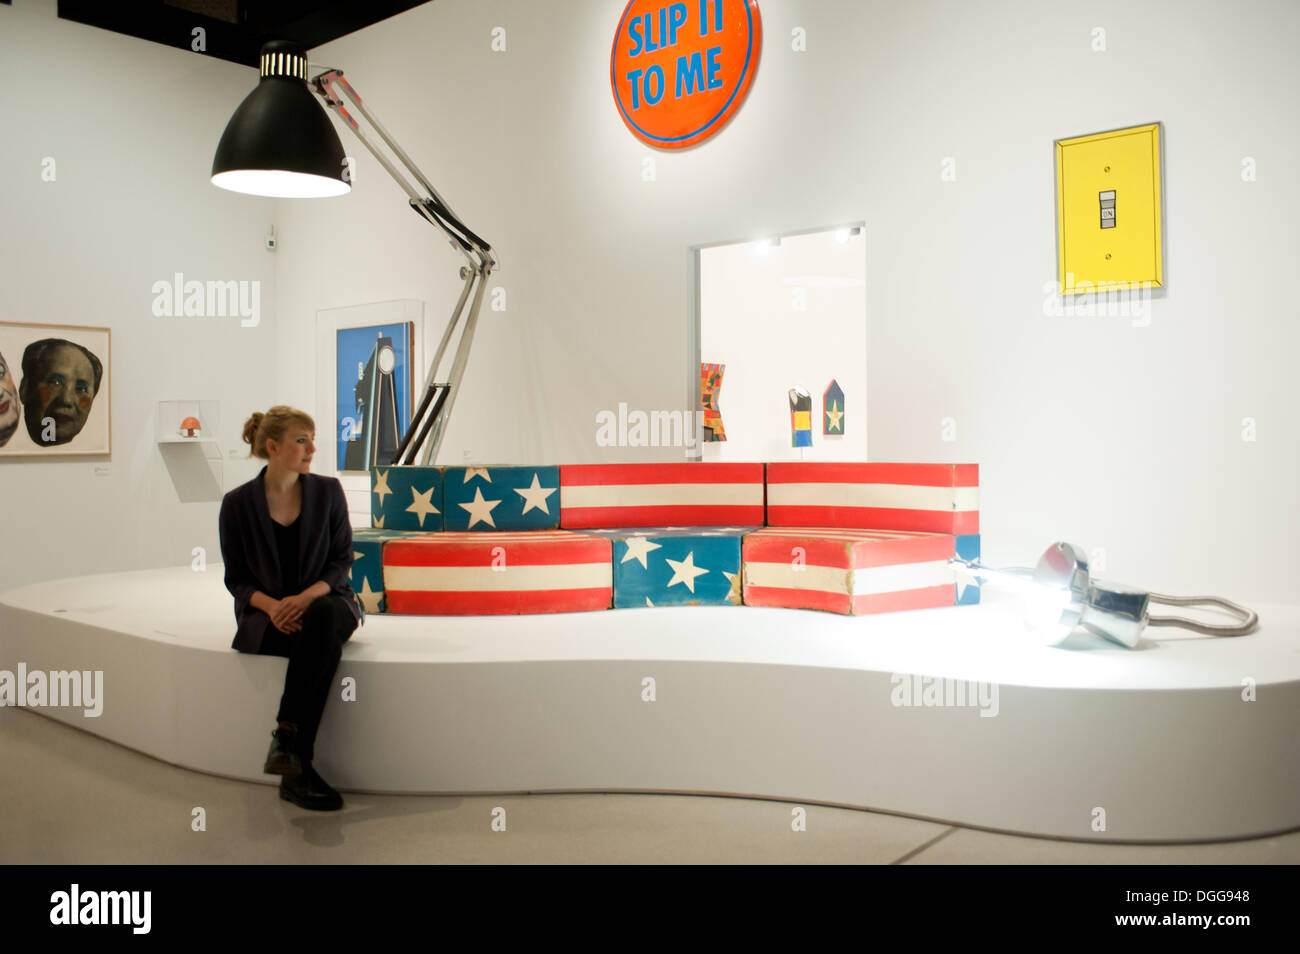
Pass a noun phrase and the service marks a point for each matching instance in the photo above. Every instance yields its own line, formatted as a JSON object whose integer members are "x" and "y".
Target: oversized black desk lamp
{"x": 280, "y": 143}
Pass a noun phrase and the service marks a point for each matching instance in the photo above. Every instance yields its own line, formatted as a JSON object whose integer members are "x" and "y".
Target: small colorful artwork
{"x": 710, "y": 385}
{"x": 190, "y": 427}
{"x": 373, "y": 381}
{"x": 800, "y": 418}
{"x": 833, "y": 410}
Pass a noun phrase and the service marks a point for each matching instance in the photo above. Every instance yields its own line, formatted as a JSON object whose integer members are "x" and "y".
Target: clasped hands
{"x": 287, "y": 613}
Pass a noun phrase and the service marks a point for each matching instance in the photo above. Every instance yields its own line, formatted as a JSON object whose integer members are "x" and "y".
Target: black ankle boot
{"x": 309, "y": 790}
{"x": 283, "y": 757}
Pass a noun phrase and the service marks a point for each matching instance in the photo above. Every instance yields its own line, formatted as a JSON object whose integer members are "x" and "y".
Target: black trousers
{"x": 313, "y": 652}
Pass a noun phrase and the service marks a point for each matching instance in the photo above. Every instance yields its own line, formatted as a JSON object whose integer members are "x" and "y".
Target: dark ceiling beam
{"x": 310, "y": 24}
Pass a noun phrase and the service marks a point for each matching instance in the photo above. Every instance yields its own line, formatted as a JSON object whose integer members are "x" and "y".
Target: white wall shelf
{"x": 196, "y": 474}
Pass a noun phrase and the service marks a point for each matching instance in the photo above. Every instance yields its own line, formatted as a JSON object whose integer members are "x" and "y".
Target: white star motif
{"x": 637, "y": 548}
{"x": 964, "y": 578}
{"x": 834, "y": 414}
{"x": 356, "y": 555}
{"x": 733, "y": 579}
{"x": 381, "y": 485}
{"x": 370, "y": 598}
{"x": 422, "y": 504}
{"x": 480, "y": 509}
{"x": 535, "y": 496}
{"x": 647, "y": 602}
{"x": 379, "y": 523}
{"x": 685, "y": 571}
{"x": 472, "y": 472}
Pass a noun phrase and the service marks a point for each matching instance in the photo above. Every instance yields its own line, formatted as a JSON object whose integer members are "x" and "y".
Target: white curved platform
{"x": 787, "y": 704}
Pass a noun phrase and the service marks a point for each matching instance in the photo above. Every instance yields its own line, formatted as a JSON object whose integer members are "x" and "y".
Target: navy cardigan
{"x": 252, "y": 563}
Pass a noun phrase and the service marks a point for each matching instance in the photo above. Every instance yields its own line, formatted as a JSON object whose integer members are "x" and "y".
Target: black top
{"x": 286, "y": 543}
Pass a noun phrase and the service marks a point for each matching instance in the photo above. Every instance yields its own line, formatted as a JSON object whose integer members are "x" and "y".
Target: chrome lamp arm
{"x": 430, "y": 418}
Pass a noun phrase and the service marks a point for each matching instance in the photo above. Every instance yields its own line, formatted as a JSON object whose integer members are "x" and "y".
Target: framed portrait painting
{"x": 55, "y": 390}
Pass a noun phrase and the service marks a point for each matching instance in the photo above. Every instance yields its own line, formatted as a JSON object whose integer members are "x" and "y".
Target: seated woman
{"x": 287, "y": 546}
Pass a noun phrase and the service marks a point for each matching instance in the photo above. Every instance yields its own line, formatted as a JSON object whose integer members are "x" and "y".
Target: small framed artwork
{"x": 55, "y": 390}
{"x": 374, "y": 393}
{"x": 710, "y": 385}
{"x": 1109, "y": 209}
{"x": 833, "y": 410}
{"x": 800, "y": 418}
{"x": 366, "y": 358}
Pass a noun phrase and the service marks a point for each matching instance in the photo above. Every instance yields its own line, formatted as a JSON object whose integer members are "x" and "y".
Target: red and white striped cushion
{"x": 661, "y": 495}
{"x": 930, "y": 498}
{"x": 847, "y": 571}
{"x": 484, "y": 573}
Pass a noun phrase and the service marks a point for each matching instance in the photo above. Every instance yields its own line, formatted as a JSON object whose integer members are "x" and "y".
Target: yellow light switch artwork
{"x": 1108, "y": 210}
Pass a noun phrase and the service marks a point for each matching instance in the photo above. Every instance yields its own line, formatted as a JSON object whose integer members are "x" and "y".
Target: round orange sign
{"x": 679, "y": 69}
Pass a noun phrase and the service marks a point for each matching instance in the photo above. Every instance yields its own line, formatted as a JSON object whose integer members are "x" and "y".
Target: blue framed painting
{"x": 374, "y": 390}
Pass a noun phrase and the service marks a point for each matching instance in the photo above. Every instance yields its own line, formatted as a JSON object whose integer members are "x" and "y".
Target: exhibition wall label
{"x": 679, "y": 70}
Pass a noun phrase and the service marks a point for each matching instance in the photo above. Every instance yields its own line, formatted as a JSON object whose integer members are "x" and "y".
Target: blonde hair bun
{"x": 260, "y": 428}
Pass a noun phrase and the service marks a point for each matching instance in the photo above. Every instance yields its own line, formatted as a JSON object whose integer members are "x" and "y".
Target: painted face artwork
{"x": 59, "y": 385}
{"x": 8, "y": 403}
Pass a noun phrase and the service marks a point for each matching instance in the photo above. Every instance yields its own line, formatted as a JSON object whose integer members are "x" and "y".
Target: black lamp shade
{"x": 280, "y": 142}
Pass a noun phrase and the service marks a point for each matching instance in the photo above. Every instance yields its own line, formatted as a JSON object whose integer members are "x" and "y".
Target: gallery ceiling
{"x": 233, "y": 30}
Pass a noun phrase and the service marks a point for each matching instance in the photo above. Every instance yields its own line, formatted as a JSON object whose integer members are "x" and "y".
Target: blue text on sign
{"x": 640, "y": 30}
{"x": 649, "y": 83}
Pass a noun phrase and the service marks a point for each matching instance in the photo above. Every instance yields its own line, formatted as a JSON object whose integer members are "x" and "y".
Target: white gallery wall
{"x": 131, "y": 128}
{"x": 782, "y": 313}
{"x": 1123, "y": 435}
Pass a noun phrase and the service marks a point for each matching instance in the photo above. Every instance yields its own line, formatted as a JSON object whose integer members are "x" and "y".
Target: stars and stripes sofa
{"x": 842, "y": 537}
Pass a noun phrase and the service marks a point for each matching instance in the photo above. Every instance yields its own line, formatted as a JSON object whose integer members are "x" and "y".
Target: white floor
{"x": 73, "y": 798}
